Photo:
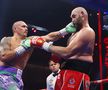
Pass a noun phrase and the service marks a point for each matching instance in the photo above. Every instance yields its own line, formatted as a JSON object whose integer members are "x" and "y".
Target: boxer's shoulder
{"x": 30, "y": 37}
{"x": 5, "y": 39}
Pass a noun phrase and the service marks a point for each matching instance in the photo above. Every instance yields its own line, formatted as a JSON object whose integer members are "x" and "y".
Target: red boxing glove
{"x": 37, "y": 41}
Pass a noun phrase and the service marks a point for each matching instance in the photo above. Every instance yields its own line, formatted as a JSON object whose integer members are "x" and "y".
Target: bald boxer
{"x": 16, "y": 50}
{"x": 78, "y": 54}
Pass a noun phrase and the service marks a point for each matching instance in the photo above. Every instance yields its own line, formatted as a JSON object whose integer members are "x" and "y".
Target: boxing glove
{"x": 24, "y": 46}
{"x": 40, "y": 42}
{"x": 35, "y": 41}
{"x": 46, "y": 46}
{"x": 27, "y": 43}
{"x": 70, "y": 28}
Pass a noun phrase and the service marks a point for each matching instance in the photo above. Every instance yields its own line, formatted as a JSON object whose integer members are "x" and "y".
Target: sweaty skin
{"x": 80, "y": 44}
{"x": 9, "y": 44}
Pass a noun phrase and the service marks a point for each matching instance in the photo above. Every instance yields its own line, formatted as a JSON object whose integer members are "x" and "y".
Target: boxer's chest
{"x": 14, "y": 44}
{"x": 72, "y": 37}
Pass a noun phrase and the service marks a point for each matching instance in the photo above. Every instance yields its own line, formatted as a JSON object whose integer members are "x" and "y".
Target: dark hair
{"x": 54, "y": 58}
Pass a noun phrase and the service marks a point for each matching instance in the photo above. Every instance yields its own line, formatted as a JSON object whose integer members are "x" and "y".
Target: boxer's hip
{"x": 11, "y": 71}
{"x": 76, "y": 65}
{"x": 72, "y": 80}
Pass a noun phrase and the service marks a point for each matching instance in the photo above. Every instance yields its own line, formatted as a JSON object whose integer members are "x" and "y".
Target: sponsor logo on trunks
{"x": 71, "y": 83}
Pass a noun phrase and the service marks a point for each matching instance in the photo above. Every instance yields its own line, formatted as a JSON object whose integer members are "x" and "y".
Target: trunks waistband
{"x": 78, "y": 72}
{"x": 76, "y": 65}
{"x": 10, "y": 70}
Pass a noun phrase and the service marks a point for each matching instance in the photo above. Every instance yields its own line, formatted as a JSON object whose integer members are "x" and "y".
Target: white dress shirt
{"x": 51, "y": 80}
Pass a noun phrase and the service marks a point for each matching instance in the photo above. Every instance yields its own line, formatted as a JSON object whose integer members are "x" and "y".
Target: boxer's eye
{"x": 24, "y": 26}
{"x": 51, "y": 65}
{"x": 73, "y": 16}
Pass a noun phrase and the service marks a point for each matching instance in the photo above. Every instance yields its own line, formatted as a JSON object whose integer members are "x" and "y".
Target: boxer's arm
{"x": 75, "y": 47}
{"x": 5, "y": 53}
{"x": 53, "y": 36}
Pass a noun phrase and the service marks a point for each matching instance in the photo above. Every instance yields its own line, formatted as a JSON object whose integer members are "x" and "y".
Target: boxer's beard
{"x": 21, "y": 34}
{"x": 78, "y": 24}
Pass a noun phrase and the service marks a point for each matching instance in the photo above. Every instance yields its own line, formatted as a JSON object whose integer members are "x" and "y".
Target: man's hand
{"x": 40, "y": 42}
{"x": 35, "y": 41}
{"x": 70, "y": 28}
{"x": 27, "y": 43}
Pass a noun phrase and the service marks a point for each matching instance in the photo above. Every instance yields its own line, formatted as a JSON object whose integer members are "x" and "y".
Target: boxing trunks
{"x": 10, "y": 78}
{"x": 72, "y": 78}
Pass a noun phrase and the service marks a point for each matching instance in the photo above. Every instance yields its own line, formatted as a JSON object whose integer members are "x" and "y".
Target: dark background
{"x": 53, "y": 15}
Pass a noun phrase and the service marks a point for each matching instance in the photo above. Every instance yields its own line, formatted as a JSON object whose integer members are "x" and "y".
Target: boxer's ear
{"x": 82, "y": 12}
{"x": 82, "y": 15}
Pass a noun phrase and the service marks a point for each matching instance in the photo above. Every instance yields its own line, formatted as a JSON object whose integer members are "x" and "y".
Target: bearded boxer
{"x": 17, "y": 49}
{"x": 78, "y": 54}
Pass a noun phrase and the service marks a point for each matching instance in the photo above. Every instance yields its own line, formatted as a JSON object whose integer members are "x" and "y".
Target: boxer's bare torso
{"x": 85, "y": 50}
{"x": 10, "y": 43}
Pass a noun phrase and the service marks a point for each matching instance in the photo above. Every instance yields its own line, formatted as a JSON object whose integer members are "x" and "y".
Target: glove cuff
{"x": 20, "y": 50}
{"x": 46, "y": 46}
{"x": 63, "y": 32}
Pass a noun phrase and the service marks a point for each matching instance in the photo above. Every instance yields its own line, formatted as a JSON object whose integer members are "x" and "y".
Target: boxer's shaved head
{"x": 17, "y": 23}
{"x": 79, "y": 10}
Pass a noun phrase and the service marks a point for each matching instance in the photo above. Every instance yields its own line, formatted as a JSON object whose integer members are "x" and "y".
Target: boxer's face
{"x": 54, "y": 67}
{"x": 76, "y": 18}
{"x": 22, "y": 29}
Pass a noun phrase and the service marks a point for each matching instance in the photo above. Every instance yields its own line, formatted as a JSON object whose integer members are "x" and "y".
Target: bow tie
{"x": 55, "y": 74}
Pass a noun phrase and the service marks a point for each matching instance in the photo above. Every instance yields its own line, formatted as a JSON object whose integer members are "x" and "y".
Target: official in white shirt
{"x": 54, "y": 66}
